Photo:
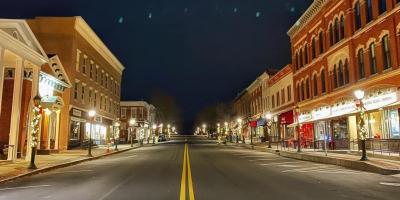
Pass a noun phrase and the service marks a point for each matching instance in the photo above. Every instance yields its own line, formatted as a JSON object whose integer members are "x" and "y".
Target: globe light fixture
{"x": 359, "y": 94}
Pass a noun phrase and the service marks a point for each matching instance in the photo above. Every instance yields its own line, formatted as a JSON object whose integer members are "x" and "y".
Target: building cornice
{"x": 307, "y": 16}
{"x": 90, "y": 36}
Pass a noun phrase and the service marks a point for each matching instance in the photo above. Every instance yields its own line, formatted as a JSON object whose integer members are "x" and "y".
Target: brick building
{"x": 339, "y": 46}
{"x": 145, "y": 117}
{"x": 95, "y": 74}
{"x": 280, "y": 104}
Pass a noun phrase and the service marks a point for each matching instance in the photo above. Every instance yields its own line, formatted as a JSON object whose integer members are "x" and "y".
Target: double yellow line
{"x": 186, "y": 172}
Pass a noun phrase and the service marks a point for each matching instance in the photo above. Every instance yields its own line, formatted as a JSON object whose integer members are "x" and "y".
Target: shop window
{"x": 368, "y": 8}
{"x": 313, "y": 52}
{"x": 372, "y": 58}
{"x": 386, "y": 52}
{"x": 342, "y": 27}
{"x": 91, "y": 70}
{"x": 360, "y": 59}
{"x": 323, "y": 85}
{"x": 84, "y": 65}
{"x": 315, "y": 81}
{"x": 382, "y": 6}
{"x": 357, "y": 15}
{"x": 321, "y": 42}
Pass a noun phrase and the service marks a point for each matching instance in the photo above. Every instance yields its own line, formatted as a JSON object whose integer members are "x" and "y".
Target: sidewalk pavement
{"x": 375, "y": 165}
{"x": 11, "y": 170}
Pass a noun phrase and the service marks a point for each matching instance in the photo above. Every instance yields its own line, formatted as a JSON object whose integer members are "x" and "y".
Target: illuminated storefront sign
{"x": 304, "y": 117}
{"x": 321, "y": 113}
{"x": 380, "y": 101}
{"x": 343, "y": 108}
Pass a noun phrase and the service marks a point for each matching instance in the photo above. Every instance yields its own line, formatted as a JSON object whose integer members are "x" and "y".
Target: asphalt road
{"x": 212, "y": 172}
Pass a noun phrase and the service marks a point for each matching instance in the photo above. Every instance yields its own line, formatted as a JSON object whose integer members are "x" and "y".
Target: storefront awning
{"x": 52, "y": 102}
{"x": 286, "y": 117}
{"x": 261, "y": 122}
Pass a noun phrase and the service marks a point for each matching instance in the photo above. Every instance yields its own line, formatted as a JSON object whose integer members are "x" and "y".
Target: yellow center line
{"x": 183, "y": 181}
{"x": 186, "y": 171}
{"x": 190, "y": 182}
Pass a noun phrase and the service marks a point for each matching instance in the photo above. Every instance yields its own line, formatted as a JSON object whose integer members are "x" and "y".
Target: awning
{"x": 261, "y": 122}
{"x": 286, "y": 117}
{"x": 253, "y": 124}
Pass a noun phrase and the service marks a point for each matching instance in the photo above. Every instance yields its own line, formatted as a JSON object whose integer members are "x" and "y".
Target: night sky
{"x": 200, "y": 51}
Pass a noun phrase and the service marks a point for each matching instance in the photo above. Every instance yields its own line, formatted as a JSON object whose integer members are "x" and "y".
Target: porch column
{"x": 1, "y": 74}
{"x": 34, "y": 92}
{"x": 16, "y": 110}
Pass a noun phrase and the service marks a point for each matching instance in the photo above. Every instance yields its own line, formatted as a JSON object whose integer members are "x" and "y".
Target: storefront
{"x": 285, "y": 119}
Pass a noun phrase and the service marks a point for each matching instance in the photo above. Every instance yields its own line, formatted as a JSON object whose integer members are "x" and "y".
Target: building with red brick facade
{"x": 339, "y": 46}
{"x": 144, "y": 115}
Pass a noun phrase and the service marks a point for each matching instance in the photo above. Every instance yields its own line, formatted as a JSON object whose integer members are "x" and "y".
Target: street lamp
{"x": 239, "y": 133}
{"x": 204, "y": 128}
{"x": 116, "y": 134}
{"x": 297, "y": 109}
{"x": 37, "y": 114}
{"x": 361, "y": 123}
{"x": 92, "y": 114}
{"x": 268, "y": 116}
{"x": 132, "y": 122}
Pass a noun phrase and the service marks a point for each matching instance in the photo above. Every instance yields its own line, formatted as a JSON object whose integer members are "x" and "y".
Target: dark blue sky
{"x": 200, "y": 51}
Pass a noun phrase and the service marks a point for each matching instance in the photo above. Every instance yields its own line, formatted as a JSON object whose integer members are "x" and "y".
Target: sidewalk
{"x": 9, "y": 170}
{"x": 375, "y": 165}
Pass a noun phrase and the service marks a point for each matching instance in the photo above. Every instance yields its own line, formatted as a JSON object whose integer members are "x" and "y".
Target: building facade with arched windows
{"x": 354, "y": 45}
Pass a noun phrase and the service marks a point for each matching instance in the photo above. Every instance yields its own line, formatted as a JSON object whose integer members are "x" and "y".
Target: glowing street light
{"x": 132, "y": 122}
{"x": 361, "y": 123}
{"x": 92, "y": 114}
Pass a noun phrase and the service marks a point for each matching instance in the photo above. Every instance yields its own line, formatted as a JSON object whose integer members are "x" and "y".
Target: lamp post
{"x": 168, "y": 130}
{"x": 239, "y": 121}
{"x": 268, "y": 116}
{"x": 116, "y": 134}
{"x": 37, "y": 114}
{"x": 361, "y": 123}
{"x": 154, "y": 132}
{"x": 92, "y": 114}
{"x": 204, "y": 128}
{"x": 226, "y": 130}
{"x": 298, "y": 129}
{"x": 132, "y": 122}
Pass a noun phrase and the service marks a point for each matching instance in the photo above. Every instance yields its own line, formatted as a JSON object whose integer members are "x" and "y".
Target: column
{"x": 35, "y": 91}
{"x": 16, "y": 110}
{"x": 1, "y": 74}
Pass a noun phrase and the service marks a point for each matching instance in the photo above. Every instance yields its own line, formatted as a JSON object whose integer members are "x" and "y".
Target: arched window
{"x": 340, "y": 74}
{"x": 341, "y": 27}
{"x": 298, "y": 92}
{"x": 315, "y": 83}
{"x": 331, "y": 35}
{"x": 336, "y": 30}
{"x": 306, "y": 54}
{"x": 323, "y": 85}
{"x": 313, "y": 52}
{"x": 368, "y": 8}
{"x": 307, "y": 88}
{"x": 346, "y": 72}
{"x": 386, "y": 52}
{"x": 360, "y": 59}
{"x": 335, "y": 85}
{"x": 302, "y": 91}
{"x": 382, "y": 6}
{"x": 372, "y": 59}
{"x": 321, "y": 42}
{"x": 357, "y": 10}
{"x": 301, "y": 58}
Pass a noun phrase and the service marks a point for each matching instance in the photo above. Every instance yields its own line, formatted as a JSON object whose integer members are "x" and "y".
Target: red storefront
{"x": 307, "y": 134}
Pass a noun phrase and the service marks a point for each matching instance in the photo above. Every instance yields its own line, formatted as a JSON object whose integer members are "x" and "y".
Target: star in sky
{"x": 235, "y": 10}
{"x": 258, "y": 14}
{"x": 121, "y": 20}
{"x": 150, "y": 15}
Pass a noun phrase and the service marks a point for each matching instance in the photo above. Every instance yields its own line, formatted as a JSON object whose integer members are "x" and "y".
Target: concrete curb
{"x": 352, "y": 164}
{"x": 62, "y": 165}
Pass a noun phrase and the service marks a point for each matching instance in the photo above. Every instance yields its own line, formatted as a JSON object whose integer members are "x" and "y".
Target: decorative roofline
{"x": 86, "y": 32}
{"x": 307, "y": 16}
